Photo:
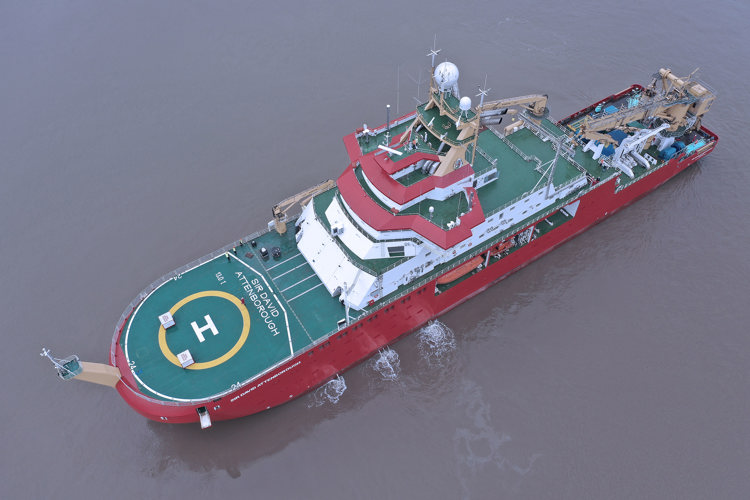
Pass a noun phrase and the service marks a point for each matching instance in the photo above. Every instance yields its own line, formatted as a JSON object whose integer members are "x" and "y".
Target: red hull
{"x": 361, "y": 340}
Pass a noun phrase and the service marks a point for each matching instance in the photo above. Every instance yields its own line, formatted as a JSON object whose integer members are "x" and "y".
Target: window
{"x": 396, "y": 251}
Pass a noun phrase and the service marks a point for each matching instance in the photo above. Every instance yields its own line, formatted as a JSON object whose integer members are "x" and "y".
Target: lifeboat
{"x": 501, "y": 247}
{"x": 461, "y": 270}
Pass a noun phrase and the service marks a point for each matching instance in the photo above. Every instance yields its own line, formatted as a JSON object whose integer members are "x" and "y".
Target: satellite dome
{"x": 446, "y": 75}
{"x": 465, "y": 103}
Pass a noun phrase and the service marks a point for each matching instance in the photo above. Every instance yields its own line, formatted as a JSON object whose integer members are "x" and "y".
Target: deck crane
{"x": 680, "y": 102}
{"x": 536, "y": 104}
{"x": 279, "y": 210}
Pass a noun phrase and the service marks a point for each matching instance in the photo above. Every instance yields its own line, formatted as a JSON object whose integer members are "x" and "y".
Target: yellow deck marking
{"x": 221, "y": 359}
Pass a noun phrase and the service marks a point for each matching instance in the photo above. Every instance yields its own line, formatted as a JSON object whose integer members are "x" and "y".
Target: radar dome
{"x": 465, "y": 103}
{"x": 446, "y": 75}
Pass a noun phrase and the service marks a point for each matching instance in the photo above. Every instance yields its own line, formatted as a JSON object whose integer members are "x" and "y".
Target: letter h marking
{"x": 209, "y": 326}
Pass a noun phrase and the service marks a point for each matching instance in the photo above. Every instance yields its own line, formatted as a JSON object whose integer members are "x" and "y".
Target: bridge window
{"x": 396, "y": 251}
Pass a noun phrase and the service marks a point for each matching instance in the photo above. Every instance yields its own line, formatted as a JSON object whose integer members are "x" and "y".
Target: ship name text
{"x": 261, "y": 299}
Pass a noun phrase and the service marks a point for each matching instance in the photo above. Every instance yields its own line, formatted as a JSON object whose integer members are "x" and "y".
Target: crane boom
{"x": 536, "y": 103}
{"x": 279, "y": 210}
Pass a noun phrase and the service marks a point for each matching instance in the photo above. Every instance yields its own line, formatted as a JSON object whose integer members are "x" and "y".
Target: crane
{"x": 681, "y": 102}
{"x": 535, "y": 103}
{"x": 279, "y": 210}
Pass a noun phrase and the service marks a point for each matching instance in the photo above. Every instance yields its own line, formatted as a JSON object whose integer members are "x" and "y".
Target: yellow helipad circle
{"x": 221, "y": 359}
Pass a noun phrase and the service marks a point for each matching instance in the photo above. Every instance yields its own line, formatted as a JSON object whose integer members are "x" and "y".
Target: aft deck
{"x": 238, "y": 315}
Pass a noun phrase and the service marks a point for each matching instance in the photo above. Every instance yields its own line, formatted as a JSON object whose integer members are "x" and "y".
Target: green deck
{"x": 302, "y": 311}
{"x": 287, "y": 285}
{"x": 371, "y": 144}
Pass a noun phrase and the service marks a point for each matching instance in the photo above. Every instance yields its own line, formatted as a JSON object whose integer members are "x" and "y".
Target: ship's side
{"x": 308, "y": 303}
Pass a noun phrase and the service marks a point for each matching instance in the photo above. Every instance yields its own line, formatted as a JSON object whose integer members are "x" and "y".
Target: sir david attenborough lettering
{"x": 261, "y": 299}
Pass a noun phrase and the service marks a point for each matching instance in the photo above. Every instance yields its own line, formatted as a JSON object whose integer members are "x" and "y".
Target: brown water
{"x": 135, "y": 138}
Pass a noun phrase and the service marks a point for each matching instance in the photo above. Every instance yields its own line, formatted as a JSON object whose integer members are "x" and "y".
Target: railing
{"x": 422, "y": 149}
{"x": 172, "y": 275}
{"x": 394, "y": 123}
{"x": 120, "y": 325}
{"x": 551, "y": 127}
{"x": 537, "y": 130}
{"x": 607, "y": 121}
{"x": 344, "y": 249}
{"x": 567, "y": 151}
{"x": 395, "y": 264}
{"x": 506, "y": 205}
{"x": 529, "y": 193}
{"x": 337, "y": 197}
{"x": 470, "y": 148}
{"x": 406, "y": 152}
{"x": 469, "y": 255}
{"x": 345, "y": 209}
{"x": 573, "y": 162}
{"x": 569, "y": 154}
{"x": 517, "y": 150}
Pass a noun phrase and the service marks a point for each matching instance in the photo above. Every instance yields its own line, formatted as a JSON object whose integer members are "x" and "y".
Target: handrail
{"x": 483, "y": 154}
{"x": 555, "y": 141}
{"x": 344, "y": 249}
{"x": 393, "y": 123}
{"x": 172, "y": 275}
{"x": 516, "y": 149}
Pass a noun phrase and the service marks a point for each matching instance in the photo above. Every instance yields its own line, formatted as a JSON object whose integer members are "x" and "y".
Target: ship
{"x": 433, "y": 208}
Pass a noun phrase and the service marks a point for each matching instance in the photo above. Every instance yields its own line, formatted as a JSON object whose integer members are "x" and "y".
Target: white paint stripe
{"x": 229, "y": 391}
{"x": 300, "y": 295}
{"x": 132, "y": 317}
{"x": 284, "y": 261}
{"x": 286, "y": 318}
{"x": 289, "y": 271}
{"x": 300, "y": 281}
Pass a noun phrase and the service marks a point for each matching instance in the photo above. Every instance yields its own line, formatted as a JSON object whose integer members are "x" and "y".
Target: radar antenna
{"x": 464, "y": 105}
{"x": 434, "y": 52}
{"x": 482, "y": 94}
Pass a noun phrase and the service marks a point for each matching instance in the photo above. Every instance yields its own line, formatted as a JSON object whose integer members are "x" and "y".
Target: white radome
{"x": 446, "y": 75}
{"x": 465, "y": 103}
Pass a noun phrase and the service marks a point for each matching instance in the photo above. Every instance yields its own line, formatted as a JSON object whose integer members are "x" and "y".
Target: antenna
{"x": 482, "y": 93}
{"x": 398, "y": 87}
{"x": 434, "y": 52}
{"x": 419, "y": 83}
{"x": 387, "y": 123}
